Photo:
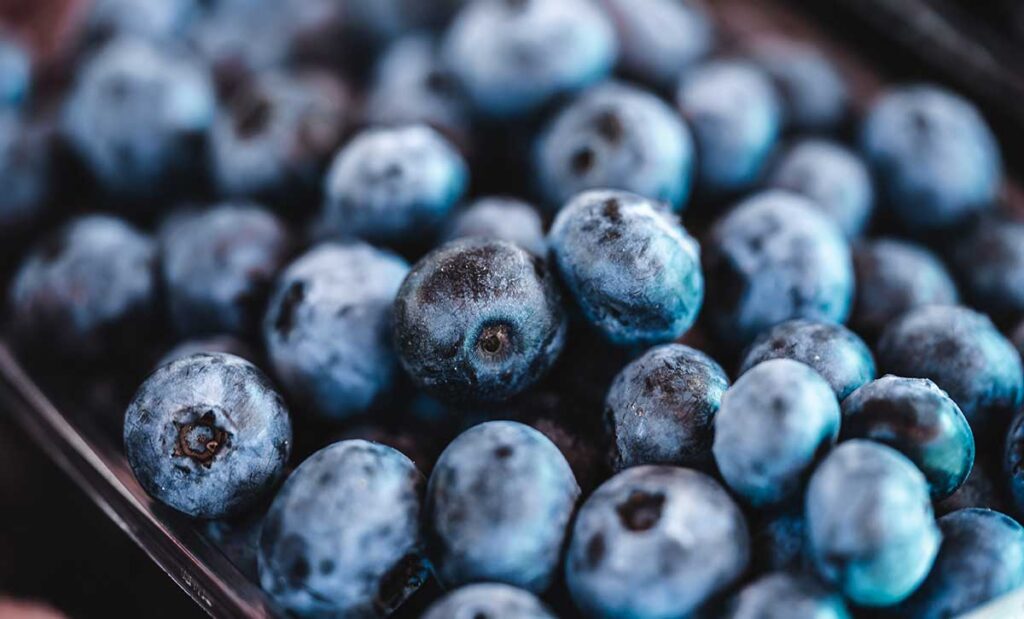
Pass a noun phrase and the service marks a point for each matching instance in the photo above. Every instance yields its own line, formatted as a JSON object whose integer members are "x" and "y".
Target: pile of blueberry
{"x": 543, "y": 300}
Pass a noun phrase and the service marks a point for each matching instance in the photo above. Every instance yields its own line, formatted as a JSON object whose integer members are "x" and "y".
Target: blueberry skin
{"x": 781, "y": 595}
{"x": 963, "y": 353}
{"x": 342, "y": 537}
{"x": 735, "y": 115}
{"x": 490, "y": 600}
{"x": 981, "y": 558}
{"x": 775, "y": 257}
{"x": 152, "y": 20}
{"x": 25, "y": 173}
{"x": 502, "y": 218}
{"x": 88, "y": 289}
{"x": 512, "y": 58}
{"x": 137, "y": 117}
{"x": 983, "y": 488}
{"x": 870, "y": 523}
{"x": 276, "y": 133}
{"x": 15, "y": 73}
{"x": 779, "y": 539}
{"x": 655, "y": 542}
{"x": 207, "y": 435}
{"x": 478, "y": 320}
{"x": 661, "y": 408}
{"x": 1018, "y": 338}
{"x": 615, "y": 136}
{"x": 814, "y": 93}
{"x": 773, "y": 425}
{"x": 218, "y": 266}
{"x": 894, "y": 277}
{"x": 328, "y": 328}
{"x": 1013, "y": 462}
{"x": 989, "y": 263}
{"x": 659, "y": 39}
{"x": 832, "y": 350}
{"x": 393, "y": 184}
{"x": 919, "y": 420}
{"x": 211, "y": 344}
{"x": 631, "y": 267}
{"x": 833, "y": 177}
{"x": 498, "y": 507}
{"x": 936, "y": 161}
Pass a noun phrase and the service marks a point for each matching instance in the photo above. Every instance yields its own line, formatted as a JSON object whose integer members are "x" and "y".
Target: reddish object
{"x": 47, "y": 26}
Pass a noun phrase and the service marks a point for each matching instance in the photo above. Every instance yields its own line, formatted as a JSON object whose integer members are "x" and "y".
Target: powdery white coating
{"x": 342, "y": 537}
{"x": 735, "y": 115}
{"x": 630, "y": 265}
{"x": 870, "y": 523}
{"x": 328, "y": 327}
{"x": 773, "y": 425}
{"x": 393, "y": 184}
{"x": 615, "y": 136}
{"x": 514, "y": 57}
{"x": 785, "y": 595}
{"x": 490, "y": 600}
{"x": 655, "y": 542}
{"x": 835, "y": 179}
{"x": 502, "y": 218}
{"x": 207, "y": 435}
{"x": 661, "y": 407}
{"x": 498, "y": 507}
{"x": 813, "y": 91}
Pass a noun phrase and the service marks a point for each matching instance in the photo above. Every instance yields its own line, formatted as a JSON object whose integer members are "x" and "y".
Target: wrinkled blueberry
{"x": 213, "y": 344}
{"x": 989, "y": 263}
{"x": 735, "y": 115}
{"x": 218, "y": 265}
{"x": 870, "y": 523}
{"x": 498, "y": 507}
{"x": 833, "y": 177}
{"x": 655, "y": 542}
{"x": 936, "y": 161}
{"x": 661, "y": 408}
{"x": 615, "y": 136}
{"x": 488, "y": 601}
{"x": 25, "y": 173}
{"x": 15, "y": 72}
{"x": 631, "y": 267}
{"x": 813, "y": 92}
{"x": 918, "y": 419}
{"x": 782, "y": 595}
{"x": 342, "y": 537}
{"x": 773, "y": 258}
{"x": 514, "y": 56}
{"x": 773, "y": 425}
{"x": 393, "y": 184}
{"x": 832, "y": 350}
{"x": 478, "y": 320}
{"x": 328, "y": 328}
{"x": 207, "y": 435}
{"x": 502, "y": 218}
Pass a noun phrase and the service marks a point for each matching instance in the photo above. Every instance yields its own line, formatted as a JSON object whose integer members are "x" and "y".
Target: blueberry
{"x": 655, "y": 542}
{"x": 661, "y": 408}
{"x": 779, "y": 539}
{"x": 835, "y": 352}
{"x": 615, "y": 136}
{"x": 965, "y": 355}
{"x": 276, "y": 134}
{"x": 894, "y": 277}
{"x": 238, "y": 38}
{"x": 936, "y": 161}
{"x": 989, "y": 263}
{"x": 632, "y": 268}
{"x": 514, "y": 56}
{"x": 498, "y": 507}
{"x": 773, "y": 425}
{"x": 218, "y": 266}
{"x": 981, "y": 558}
{"x": 88, "y": 290}
{"x": 833, "y": 177}
{"x": 735, "y": 116}
{"x": 137, "y": 115}
{"x": 393, "y": 184}
{"x": 502, "y": 218}
{"x": 773, "y": 258}
{"x": 382, "y": 20}
{"x": 659, "y": 39}
{"x": 1013, "y": 462}
{"x": 207, "y": 435}
{"x": 26, "y": 171}
{"x": 15, "y": 72}
{"x": 781, "y": 595}
{"x": 153, "y": 20}
{"x": 488, "y": 601}
{"x": 981, "y": 489}
{"x": 211, "y": 344}
{"x": 813, "y": 91}
{"x": 1018, "y": 338}
{"x": 918, "y": 419}
{"x": 328, "y": 328}
{"x": 342, "y": 537}
{"x": 478, "y": 320}
{"x": 870, "y": 523}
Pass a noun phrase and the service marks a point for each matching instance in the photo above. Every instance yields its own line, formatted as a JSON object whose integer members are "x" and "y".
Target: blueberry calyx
{"x": 641, "y": 511}
{"x": 200, "y": 440}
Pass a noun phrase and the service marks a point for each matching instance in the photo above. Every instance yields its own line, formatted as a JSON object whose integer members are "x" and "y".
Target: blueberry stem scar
{"x": 209, "y": 448}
